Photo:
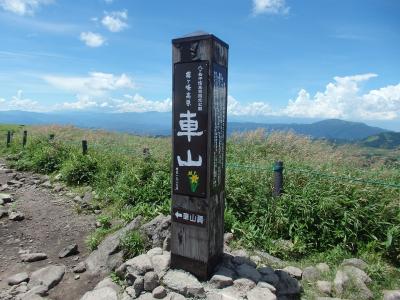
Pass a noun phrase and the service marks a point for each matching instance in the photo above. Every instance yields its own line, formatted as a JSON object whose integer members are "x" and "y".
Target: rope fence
{"x": 277, "y": 167}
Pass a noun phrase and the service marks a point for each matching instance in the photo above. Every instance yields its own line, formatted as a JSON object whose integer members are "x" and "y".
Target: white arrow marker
{"x": 178, "y": 215}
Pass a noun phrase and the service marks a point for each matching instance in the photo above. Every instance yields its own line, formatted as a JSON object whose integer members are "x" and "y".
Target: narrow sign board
{"x": 199, "y": 143}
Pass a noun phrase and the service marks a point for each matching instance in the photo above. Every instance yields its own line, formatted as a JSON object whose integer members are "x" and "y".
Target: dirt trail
{"x": 51, "y": 223}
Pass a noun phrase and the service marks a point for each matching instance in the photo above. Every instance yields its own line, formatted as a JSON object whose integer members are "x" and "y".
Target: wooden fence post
{"x": 278, "y": 178}
{"x": 84, "y": 147}
{"x": 51, "y": 136}
{"x": 24, "y": 138}
{"x": 8, "y": 138}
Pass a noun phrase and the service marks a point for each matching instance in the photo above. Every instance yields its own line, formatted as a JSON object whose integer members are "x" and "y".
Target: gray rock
{"x": 357, "y": 273}
{"x": 159, "y": 292}
{"x": 244, "y": 284}
{"x": 48, "y": 277}
{"x": 183, "y": 283}
{"x": 157, "y": 229}
{"x": 107, "y": 282}
{"x": 80, "y": 268}
{"x": 3, "y": 212}
{"x": 130, "y": 278}
{"x": 105, "y": 293}
{"x": 240, "y": 260}
{"x": 391, "y": 295}
{"x": 150, "y": 281}
{"x": 311, "y": 274}
{"x": 47, "y": 184}
{"x": 175, "y": 296}
{"x": 355, "y": 262}
{"x": 34, "y": 293}
{"x": 340, "y": 282}
{"x": 324, "y": 287}
{"x": 139, "y": 265}
{"x": 247, "y": 271}
{"x": 16, "y": 216}
{"x": 138, "y": 285}
{"x": 287, "y": 285}
{"x": 228, "y": 237}
{"x": 363, "y": 292}
{"x": 293, "y": 271}
{"x": 265, "y": 285}
{"x": 6, "y": 198}
{"x": 224, "y": 271}
{"x": 161, "y": 263}
{"x": 68, "y": 251}
{"x": 260, "y": 294}
{"x": 31, "y": 257}
{"x": 18, "y": 278}
{"x": 266, "y": 270}
{"x": 155, "y": 251}
{"x": 323, "y": 268}
{"x": 271, "y": 260}
{"x": 221, "y": 281}
{"x": 108, "y": 255}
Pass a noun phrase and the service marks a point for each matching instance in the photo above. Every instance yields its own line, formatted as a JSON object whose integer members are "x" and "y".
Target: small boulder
{"x": 159, "y": 292}
{"x": 244, "y": 284}
{"x": 293, "y": 271}
{"x": 68, "y": 251}
{"x": 105, "y": 293}
{"x": 5, "y": 198}
{"x": 140, "y": 264}
{"x": 324, "y": 287}
{"x": 183, "y": 283}
{"x": 323, "y": 268}
{"x": 79, "y": 268}
{"x": 48, "y": 277}
{"x": 32, "y": 257}
{"x": 150, "y": 281}
{"x": 260, "y": 294}
{"x": 355, "y": 262}
{"x": 16, "y": 216}
{"x": 391, "y": 295}
{"x": 247, "y": 271}
{"x": 18, "y": 278}
{"x": 221, "y": 281}
{"x": 3, "y": 212}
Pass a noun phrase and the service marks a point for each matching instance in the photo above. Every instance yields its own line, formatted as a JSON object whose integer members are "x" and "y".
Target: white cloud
{"x": 270, "y": 7}
{"x": 19, "y": 102}
{"x": 138, "y": 103}
{"x": 23, "y": 7}
{"x": 92, "y": 39}
{"x": 115, "y": 21}
{"x": 97, "y": 84}
{"x": 250, "y": 109}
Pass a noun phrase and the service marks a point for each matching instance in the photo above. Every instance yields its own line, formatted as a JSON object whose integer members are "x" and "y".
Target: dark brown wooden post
{"x": 278, "y": 178}
{"x": 51, "y": 136}
{"x": 84, "y": 147}
{"x": 200, "y": 63}
{"x": 24, "y": 138}
{"x": 8, "y": 138}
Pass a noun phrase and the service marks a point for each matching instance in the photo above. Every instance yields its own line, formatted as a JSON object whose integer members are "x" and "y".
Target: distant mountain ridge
{"x": 156, "y": 123}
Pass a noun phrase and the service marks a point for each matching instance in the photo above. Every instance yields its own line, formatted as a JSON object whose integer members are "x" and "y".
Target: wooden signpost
{"x": 200, "y": 63}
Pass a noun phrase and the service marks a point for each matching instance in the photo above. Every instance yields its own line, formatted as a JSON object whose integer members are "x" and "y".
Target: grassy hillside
{"x": 338, "y": 202}
{"x": 385, "y": 140}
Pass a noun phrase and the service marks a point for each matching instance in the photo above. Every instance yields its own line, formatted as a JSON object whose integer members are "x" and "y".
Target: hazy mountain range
{"x": 156, "y": 123}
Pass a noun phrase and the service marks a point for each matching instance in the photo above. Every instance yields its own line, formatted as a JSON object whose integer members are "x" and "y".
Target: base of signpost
{"x": 202, "y": 271}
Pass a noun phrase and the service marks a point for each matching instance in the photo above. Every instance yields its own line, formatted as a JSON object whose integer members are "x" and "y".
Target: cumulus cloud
{"x": 249, "y": 109}
{"x": 23, "y": 7}
{"x": 138, "y": 103}
{"x": 19, "y": 102}
{"x": 270, "y": 7}
{"x": 97, "y": 84}
{"x": 115, "y": 21}
{"x": 92, "y": 39}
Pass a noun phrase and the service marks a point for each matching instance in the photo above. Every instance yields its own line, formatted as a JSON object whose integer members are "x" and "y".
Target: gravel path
{"x": 50, "y": 224}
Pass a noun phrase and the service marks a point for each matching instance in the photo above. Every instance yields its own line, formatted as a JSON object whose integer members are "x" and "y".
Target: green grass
{"x": 326, "y": 215}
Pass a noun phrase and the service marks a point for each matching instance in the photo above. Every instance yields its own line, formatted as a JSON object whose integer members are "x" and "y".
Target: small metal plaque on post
{"x": 200, "y": 64}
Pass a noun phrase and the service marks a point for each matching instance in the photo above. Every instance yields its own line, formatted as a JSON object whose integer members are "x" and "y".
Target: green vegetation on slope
{"x": 385, "y": 140}
{"x": 316, "y": 214}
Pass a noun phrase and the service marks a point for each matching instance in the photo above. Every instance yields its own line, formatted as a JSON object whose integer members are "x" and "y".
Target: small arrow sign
{"x": 178, "y": 215}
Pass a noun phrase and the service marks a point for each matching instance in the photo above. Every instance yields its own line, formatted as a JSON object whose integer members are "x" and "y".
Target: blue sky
{"x": 301, "y": 59}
